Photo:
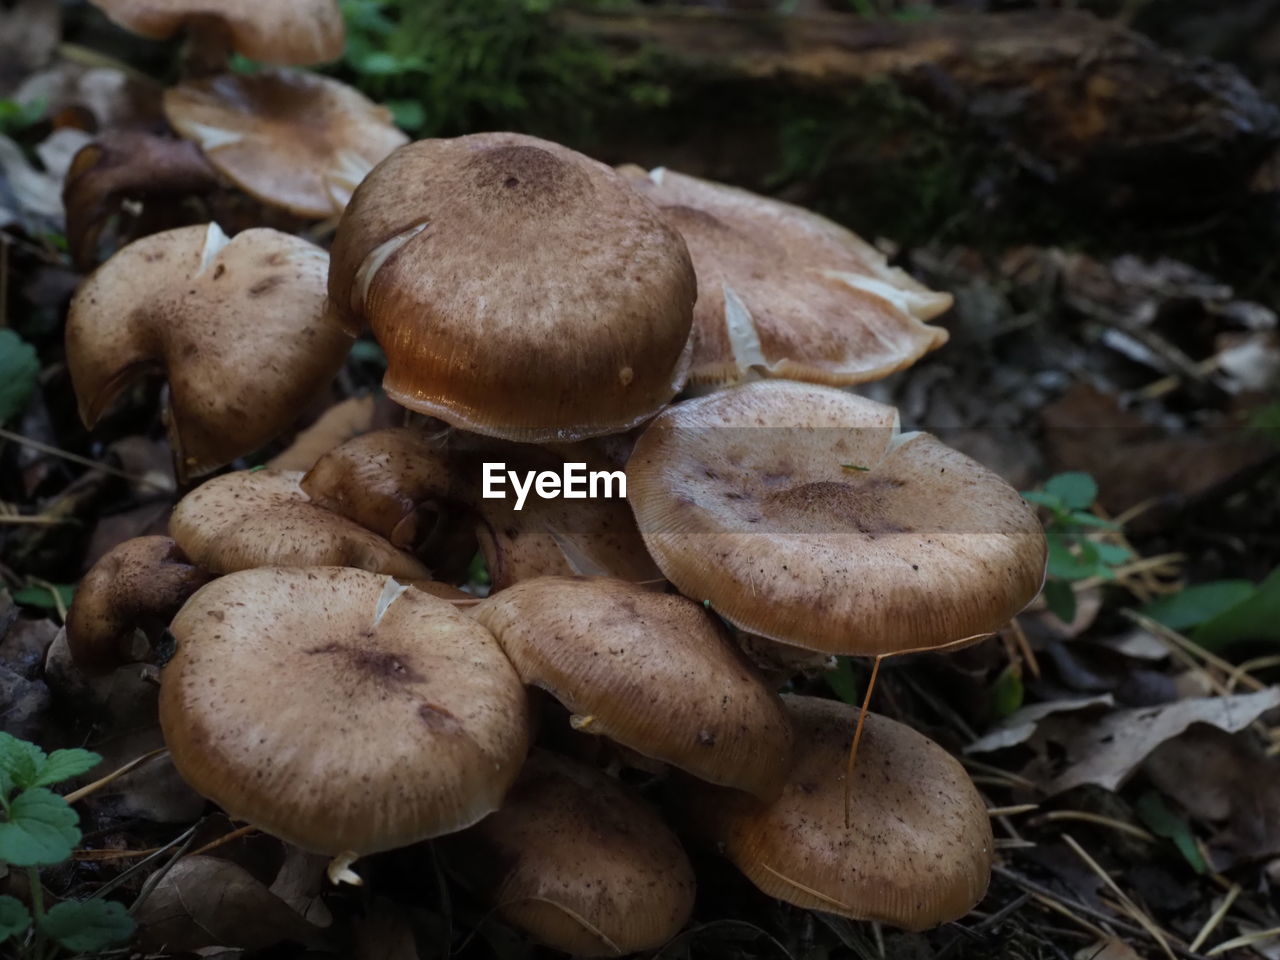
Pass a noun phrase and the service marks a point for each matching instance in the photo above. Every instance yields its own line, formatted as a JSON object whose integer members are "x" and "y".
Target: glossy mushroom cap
{"x": 297, "y": 32}
{"x": 917, "y": 852}
{"x": 240, "y": 328}
{"x": 141, "y": 582}
{"x": 261, "y": 518}
{"x": 293, "y": 140}
{"x": 339, "y": 710}
{"x": 786, "y": 293}
{"x": 578, "y": 863}
{"x": 519, "y": 289}
{"x": 654, "y": 672}
{"x": 802, "y": 515}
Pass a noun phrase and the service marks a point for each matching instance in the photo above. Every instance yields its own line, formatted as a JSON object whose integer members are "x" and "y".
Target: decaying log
{"x": 1075, "y": 98}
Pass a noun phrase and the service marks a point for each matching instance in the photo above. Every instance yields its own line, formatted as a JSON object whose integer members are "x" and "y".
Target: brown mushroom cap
{"x": 339, "y": 710}
{"x": 787, "y": 293}
{"x": 141, "y": 581}
{"x": 282, "y": 31}
{"x": 519, "y": 289}
{"x": 802, "y": 515}
{"x": 261, "y": 518}
{"x": 576, "y": 861}
{"x": 653, "y": 671}
{"x": 287, "y": 138}
{"x": 918, "y": 849}
{"x": 240, "y": 327}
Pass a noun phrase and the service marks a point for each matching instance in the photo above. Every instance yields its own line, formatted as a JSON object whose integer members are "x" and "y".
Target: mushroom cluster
{"x": 334, "y": 685}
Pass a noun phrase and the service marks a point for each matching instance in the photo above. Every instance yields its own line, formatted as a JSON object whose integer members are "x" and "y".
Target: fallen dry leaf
{"x": 1020, "y": 725}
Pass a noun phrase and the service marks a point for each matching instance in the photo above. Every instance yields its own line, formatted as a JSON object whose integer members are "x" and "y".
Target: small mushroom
{"x": 786, "y": 293}
{"x": 240, "y": 327}
{"x": 296, "y": 32}
{"x": 141, "y": 583}
{"x": 261, "y": 518}
{"x": 577, "y": 862}
{"x": 654, "y": 672}
{"x": 519, "y": 289}
{"x": 916, "y": 851}
{"x": 290, "y": 139}
{"x": 339, "y": 710}
{"x": 801, "y": 514}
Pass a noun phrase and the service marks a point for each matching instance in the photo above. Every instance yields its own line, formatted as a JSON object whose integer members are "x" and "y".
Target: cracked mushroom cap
{"x": 340, "y": 710}
{"x": 289, "y": 139}
{"x": 139, "y": 583}
{"x": 281, "y": 31}
{"x": 801, "y": 514}
{"x": 787, "y": 293}
{"x": 654, "y": 672}
{"x": 917, "y": 851}
{"x": 261, "y": 518}
{"x": 240, "y": 327}
{"x": 519, "y": 289}
{"x": 579, "y": 863}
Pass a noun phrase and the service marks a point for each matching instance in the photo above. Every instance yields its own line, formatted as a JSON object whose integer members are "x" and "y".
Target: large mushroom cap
{"x": 281, "y": 31}
{"x": 916, "y": 853}
{"x": 801, "y": 514}
{"x": 519, "y": 289}
{"x": 654, "y": 672}
{"x": 340, "y": 710}
{"x": 261, "y": 518}
{"x": 579, "y": 863}
{"x": 787, "y": 293}
{"x": 239, "y": 325}
{"x": 290, "y": 139}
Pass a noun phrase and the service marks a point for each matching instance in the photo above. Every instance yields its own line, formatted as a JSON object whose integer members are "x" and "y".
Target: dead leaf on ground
{"x": 1108, "y": 950}
{"x": 385, "y": 933}
{"x": 1021, "y": 725}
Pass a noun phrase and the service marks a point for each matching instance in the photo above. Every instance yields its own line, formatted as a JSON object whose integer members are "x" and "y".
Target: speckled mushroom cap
{"x": 240, "y": 327}
{"x": 261, "y": 518}
{"x": 786, "y": 293}
{"x": 802, "y": 515}
{"x": 382, "y": 480}
{"x": 290, "y": 139}
{"x": 652, "y": 671}
{"x": 917, "y": 852}
{"x": 578, "y": 863}
{"x": 278, "y": 31}
{"x": 519, "y": 289}
{"x": 339, "y": 710}
{"x": 146, "y": 579}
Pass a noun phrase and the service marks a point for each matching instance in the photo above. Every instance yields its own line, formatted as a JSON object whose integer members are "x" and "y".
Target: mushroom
{"x": 801, "y": 514}
{"x": 519, "y": 289}
{"x": 577, "y": 862}
{"x": 289, "y": 139}
{"x": 915, "y": 852}
{"x": 140, "y": 583}
{"x": 654, "y": 672}
{"x": 296, "y": 32}
{"x": 240, "y": 327}
{"x": 783, "y": 292}
{"x": 340, "y": 710}
{"x": 261, "y": 518}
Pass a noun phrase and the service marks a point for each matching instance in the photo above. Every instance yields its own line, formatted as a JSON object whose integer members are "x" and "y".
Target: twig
{"x": 1246, "y": 940}
{"x": 1134, "y": 910}
{"x": 83, "y": 461}
{"x": 1191, "y": 647}
{"x": 1212, "y": 923}
{"x": 77, "y": 795}
{"x": 1099, "y": 820}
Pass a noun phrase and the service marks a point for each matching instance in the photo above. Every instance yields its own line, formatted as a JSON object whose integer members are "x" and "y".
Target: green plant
{"x": 1075, "y": 553}
{"x": 15, "y": 117}
{"x": 38, "y": 828}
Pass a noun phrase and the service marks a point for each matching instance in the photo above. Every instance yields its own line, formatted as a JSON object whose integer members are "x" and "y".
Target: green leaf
{"x": 42, "y": 597}
{"x": 408, "y": 114}
{"x": 1257, "y": 618}
{"x": 1077, "y": 490}
{"x": 1064, "y": 564}
{"x": 1083, "y": 519}
{"x": 1194, "y": 605}
{"x": 1045, "y": 500}
{"x": 41, "y": 829}
{"x": 843, "y": 682}
{"x": 18, "y": 371}
{"x": 14, "y": 918}
{"x": 1163, "y": 822}
{"x": 65, "y": 764}
{"x": 20, "y": 760}
{"x": 1061, "y": 600}
{"x": 83, "y": 926}
{"x": 1007, "y": 692}
{"x": 1112, "y": 554}
{"x": 478, "y": 570}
